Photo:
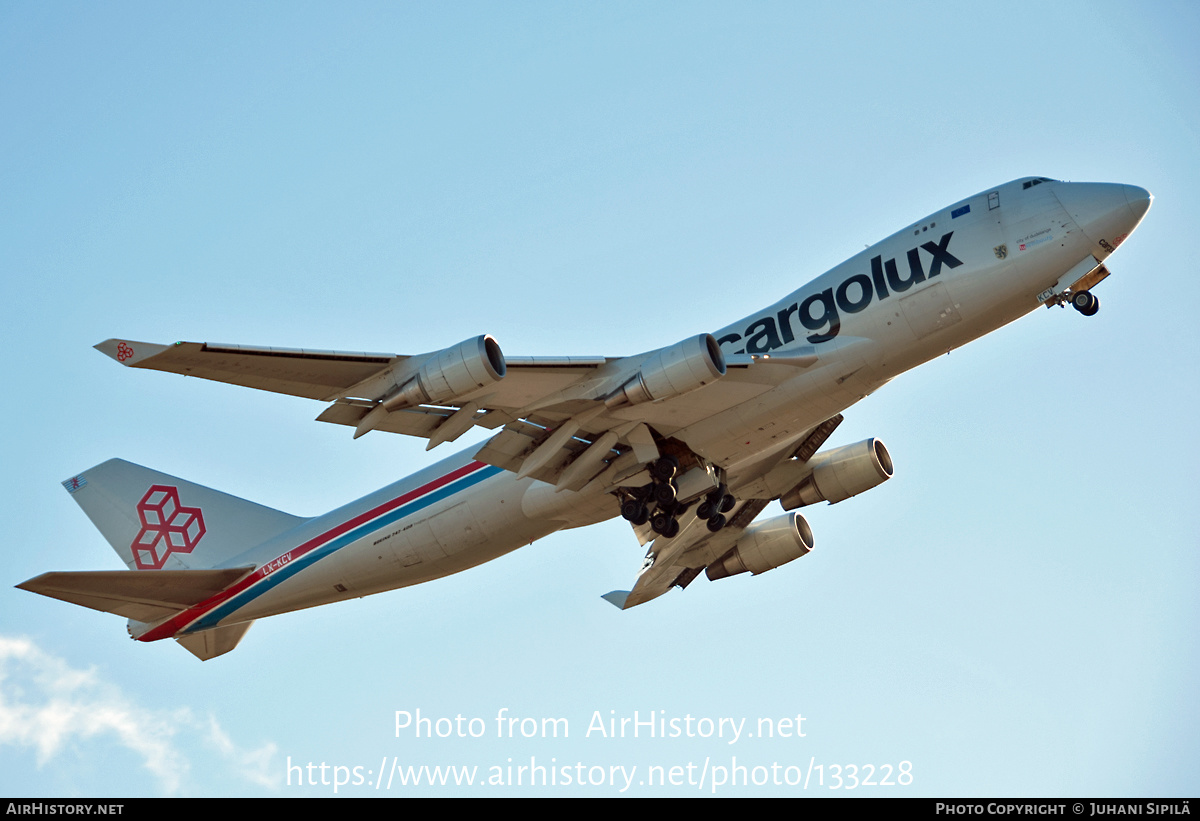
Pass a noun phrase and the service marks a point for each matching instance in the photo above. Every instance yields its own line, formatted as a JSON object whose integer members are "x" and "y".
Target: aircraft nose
{"x": 1139, "y": 200}
{"x": 1105, "y": 212}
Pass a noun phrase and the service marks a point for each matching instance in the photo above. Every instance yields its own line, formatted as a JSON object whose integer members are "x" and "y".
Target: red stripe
{"x": 177, "y": 622}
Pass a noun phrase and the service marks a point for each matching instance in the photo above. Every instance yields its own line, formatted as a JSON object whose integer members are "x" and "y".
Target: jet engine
{"x": 673, "y": 371}
{"x": 765, "y": 546}
{"x": 448, "y": 374}
{"x": 841, "y": 473}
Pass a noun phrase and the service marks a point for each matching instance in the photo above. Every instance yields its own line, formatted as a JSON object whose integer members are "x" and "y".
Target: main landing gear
{"x": 1085, "y": 302}
{"x": 672, "y": 492}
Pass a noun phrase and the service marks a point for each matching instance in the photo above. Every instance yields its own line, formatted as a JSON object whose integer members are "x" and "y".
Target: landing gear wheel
{"x": 1085, "y": 302}
{"x": 635, "y": 512}
{"x": 715, "y": 523}
{"x": 664, "y": 523}
{"x": 664, "y": 494}
{"x": 715, "y": 503}
{"x": 664, "y": 469}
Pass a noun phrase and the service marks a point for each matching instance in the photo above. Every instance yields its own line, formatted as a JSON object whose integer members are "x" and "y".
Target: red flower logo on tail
{"x": 167, "y": 527}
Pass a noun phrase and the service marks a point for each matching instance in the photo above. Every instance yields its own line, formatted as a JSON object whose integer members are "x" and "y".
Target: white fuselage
{"x": 941, "y": 282}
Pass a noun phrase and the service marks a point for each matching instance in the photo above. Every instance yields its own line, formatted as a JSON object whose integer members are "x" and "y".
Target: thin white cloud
{"x": 254, "y": 765}
{"x": 45, "y": 704}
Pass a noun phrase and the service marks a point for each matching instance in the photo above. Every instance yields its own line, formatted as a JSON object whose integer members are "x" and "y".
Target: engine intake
{"x": 841, "y": 473}
{"x": 683, "y": 367}
{"x": 451, "y": 373}
{"x": 765, "y": 546}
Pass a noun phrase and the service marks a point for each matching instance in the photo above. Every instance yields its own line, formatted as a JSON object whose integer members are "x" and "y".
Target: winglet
{"x": 616, "y": 598}
{"x": 128, "y": 352}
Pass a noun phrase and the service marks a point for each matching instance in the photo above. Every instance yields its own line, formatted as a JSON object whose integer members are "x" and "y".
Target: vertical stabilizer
{"x": 159, "y": 522}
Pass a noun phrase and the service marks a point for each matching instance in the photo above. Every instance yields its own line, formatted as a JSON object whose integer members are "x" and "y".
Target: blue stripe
{"x": 210, "y": 619}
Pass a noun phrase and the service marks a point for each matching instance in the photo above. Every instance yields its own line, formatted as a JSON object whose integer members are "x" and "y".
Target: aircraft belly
{"x": 438, "y": 541}
{"x": 370, "y": 571}
{"x": 544, "y": 503}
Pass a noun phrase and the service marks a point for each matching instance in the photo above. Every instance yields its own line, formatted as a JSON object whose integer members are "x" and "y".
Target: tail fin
{"x": 155, "y": 521}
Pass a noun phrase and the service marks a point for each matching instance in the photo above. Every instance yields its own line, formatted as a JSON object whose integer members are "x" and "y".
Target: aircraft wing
{"x": 320, "y": 374}
{"x": 676, "y": 562}
{"x": 739, "y": 545}
{"x": 568, "y": 421}
{"x": 308, "y": 373}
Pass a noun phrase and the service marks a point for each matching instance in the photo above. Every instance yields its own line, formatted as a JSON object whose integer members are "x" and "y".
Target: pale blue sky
{"x": 1014, "y": 613}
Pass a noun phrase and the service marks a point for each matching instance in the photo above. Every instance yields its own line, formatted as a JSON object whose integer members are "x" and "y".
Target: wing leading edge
{"x": 567, "y": 421}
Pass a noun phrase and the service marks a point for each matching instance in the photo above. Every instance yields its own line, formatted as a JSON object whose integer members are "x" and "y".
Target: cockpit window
{"x": 1036, "y": 181}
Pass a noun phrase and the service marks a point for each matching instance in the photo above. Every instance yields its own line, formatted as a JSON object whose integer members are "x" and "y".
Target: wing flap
{"x": 518, "y": 443}
{"x": 420, "y": 421}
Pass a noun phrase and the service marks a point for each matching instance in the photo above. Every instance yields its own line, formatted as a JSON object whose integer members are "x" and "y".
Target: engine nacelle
{"x": 841, "y": 473}
{"x": 765, "y": 546}
{"x": 683, "y": 367}
{"x": 450, "y": 373}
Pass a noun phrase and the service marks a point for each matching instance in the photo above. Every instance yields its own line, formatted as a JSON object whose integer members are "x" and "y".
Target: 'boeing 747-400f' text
{"x": 689, "y": 443}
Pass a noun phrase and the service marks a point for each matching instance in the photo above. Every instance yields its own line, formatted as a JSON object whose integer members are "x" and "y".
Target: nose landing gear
{"x": 1085, "y": 302}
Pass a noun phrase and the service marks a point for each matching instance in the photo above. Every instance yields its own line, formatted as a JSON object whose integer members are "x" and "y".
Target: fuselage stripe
{"x": 208, "y": 613}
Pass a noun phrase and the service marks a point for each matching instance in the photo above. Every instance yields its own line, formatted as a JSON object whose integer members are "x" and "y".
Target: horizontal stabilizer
{"x": 145, "y": 596}
{"x": 208, "y": 644}
{"x": 616, "y": 598}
